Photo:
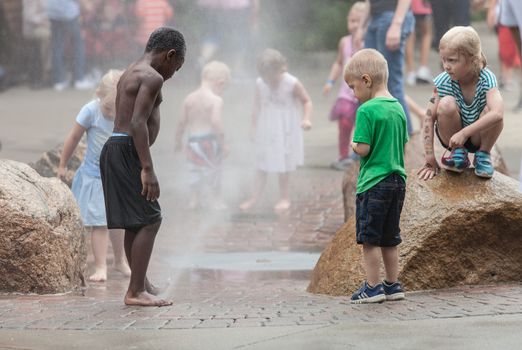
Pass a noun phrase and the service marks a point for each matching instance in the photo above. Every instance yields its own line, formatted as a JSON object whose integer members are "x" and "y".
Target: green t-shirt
{"x": 380, "y": 123}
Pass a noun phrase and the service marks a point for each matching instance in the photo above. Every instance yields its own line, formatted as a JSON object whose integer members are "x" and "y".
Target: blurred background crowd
{"x": 69, "y": 43}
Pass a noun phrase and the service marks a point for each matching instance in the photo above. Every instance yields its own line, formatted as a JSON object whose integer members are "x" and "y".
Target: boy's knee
{"x": 447, "y": 107}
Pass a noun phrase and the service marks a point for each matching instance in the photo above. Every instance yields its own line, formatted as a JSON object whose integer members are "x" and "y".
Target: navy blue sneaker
{"x": 367, "y": 294}
{"x": 393, "y": 291}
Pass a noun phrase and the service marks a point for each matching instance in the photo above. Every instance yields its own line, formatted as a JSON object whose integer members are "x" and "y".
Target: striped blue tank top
{"x": 468, "y": 113}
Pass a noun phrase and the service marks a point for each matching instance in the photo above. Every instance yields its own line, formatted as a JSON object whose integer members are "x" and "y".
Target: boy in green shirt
{"x": 379, "y": 138}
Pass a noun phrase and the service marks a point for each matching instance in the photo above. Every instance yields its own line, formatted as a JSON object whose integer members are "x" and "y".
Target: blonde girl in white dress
{"x": 282, "y": 110}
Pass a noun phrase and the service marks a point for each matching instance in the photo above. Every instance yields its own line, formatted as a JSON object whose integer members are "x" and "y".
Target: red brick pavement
{"x": 211, "y": 304}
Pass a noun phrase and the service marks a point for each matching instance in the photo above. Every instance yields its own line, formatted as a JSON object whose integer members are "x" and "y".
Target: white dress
{"x": 279, "y": 137}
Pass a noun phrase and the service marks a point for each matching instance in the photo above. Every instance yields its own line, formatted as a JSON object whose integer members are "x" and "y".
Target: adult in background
{"x": 511, "y": 17}
{"x": 65, "y": 23}
{"x": 37, "y": 31}
{"x": 386, "y": 28}
{"x": 446, "y": 14}
{"x": 227, "y": 35}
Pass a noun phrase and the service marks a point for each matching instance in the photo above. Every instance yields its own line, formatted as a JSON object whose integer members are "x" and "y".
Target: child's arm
{"x": 336, "y": 69}
{"x": 431, "y": 167}
{"x": 393, "y": 36}
{"x": 362, "y": 149}
{"x": 415, "y": 108}
{"x": 181, "y": 128}
{"x": 217, "y": 124}
{"x": 302, "y": 95}
{"x": 491, "y": 118}
{"x": 69, "y": 146}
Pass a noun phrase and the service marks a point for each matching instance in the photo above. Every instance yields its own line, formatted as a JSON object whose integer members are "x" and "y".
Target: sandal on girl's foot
{"x": 457, "y": 160}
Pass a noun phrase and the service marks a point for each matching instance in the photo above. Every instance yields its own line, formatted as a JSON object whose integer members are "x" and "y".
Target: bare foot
{"x": 123, "y": 267}
{"x": 247, "y": 205}
{"x": 283, "y": 204}
{"x": 150, "y": 288}
{"x": 145, "y": 299}
{"x": 99, "y": 275}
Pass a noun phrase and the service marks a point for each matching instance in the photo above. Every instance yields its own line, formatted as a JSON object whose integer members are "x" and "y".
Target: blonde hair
{"x": 368, "y": 61}
{"x": 358, "y": 6}
{"x": 465, "y": 41}
{"x": 271, "y": 61}
{"x": 106, "y": 91}
{"x": 215, "y": 71}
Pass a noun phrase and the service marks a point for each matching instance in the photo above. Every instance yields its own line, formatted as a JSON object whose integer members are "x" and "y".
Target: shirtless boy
{"x": 129, "y": 182}
{"x": 205, "y": 142}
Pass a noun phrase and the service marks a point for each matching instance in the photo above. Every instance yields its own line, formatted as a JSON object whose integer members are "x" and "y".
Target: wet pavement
{"x": 226, "y": 269}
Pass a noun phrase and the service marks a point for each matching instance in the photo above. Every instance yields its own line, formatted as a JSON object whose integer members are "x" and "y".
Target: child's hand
{"x": 306, "y": 124}
{"x": 327, "y": 88}
{"x": 457, "y": 140}
{"x": 61, "y": 172}
{"x": 429, "y": 170}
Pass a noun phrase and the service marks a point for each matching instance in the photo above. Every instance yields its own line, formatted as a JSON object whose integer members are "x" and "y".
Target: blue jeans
{"x": 376, "y": 39}
{"x": 61, "y": 31}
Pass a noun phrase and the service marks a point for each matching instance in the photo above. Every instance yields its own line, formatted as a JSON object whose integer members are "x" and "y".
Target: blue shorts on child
{"x": 378, "y": 212}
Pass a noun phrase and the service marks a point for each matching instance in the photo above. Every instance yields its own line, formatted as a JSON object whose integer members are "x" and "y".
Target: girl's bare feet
{"x": 123, "y": 267}
{"x": 145, "y": 299}
{"x": 99, "y": 275}
{"x": 283, "y": 204}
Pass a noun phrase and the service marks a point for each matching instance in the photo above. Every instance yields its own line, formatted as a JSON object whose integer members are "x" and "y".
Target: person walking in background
{"x": 466, "y": 110}
{"x": 129, "y": 181}
{"x": 151, "y": 14}
{"x": 277, "y": 125}
{"x": 379, "y": 138}
{"x": 108, "y": 38}
{"x": 507, "y": 50}
{"x": 446, "y": 14}
{"x": 228, "y": 33}
{"x": 424, "y": 25}
{"x": 510, "y": 16}
{"x": 346, "y": 104}
{"x": 65, "y": 24}
{"x": 96, "y": 119}
{"x": 205, "y": 145}
{"x": 37, "y": 30}
{"x": 389, "y": 24}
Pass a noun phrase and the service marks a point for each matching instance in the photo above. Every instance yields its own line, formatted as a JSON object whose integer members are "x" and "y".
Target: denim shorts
{"x": 378, "y": 212}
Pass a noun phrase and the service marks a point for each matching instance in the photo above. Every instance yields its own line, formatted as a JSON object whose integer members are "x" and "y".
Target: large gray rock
{"x": 47, "y": 165}
{"x": 42, "y": 244}
{"x": 456, "y": 229}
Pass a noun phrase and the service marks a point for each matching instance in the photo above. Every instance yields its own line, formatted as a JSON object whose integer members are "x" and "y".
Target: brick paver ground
{"x": 258, "y": 304}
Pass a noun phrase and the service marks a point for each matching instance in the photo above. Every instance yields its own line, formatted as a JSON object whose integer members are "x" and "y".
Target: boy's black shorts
{"x": 378, "y": 212}
{"x": 120, "y": 170}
